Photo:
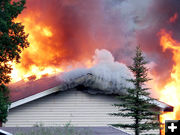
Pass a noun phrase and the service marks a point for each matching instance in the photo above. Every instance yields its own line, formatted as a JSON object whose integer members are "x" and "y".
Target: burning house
{"x": 63, "y": 36}
{"x": 84, "y": 100}
{"x": 83, "y": 97}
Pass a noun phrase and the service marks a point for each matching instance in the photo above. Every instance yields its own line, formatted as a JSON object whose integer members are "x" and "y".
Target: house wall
{"x": 76, "y": 107}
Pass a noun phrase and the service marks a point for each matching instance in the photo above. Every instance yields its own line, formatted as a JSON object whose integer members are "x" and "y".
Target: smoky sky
{"x": 159, "y": 15}
{"x": 81, "y": 26}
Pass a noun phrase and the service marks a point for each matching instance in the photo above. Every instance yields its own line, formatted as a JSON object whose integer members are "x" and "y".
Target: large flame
{"x": 59, "y": 37}
{"x": 48, "y": 53}
{"x": 54, "y": 44}
{"x": 171, "y": 92}
{"x": 28, "y": 70}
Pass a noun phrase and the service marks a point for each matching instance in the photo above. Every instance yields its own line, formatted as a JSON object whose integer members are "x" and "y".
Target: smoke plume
{"x": 111, "y": 74}
{"x": 78, "y": 27}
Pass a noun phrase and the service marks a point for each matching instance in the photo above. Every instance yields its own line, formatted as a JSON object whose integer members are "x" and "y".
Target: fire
{"x": 46, "y": 32}
{"x": 171, "y": 92}
{"x": 46, "y": 54}
{"x": 22, "y": 71}
{"x": 173, "y": 18}
{"x": 57, "y": 42}
{"x": 33, "y": 73}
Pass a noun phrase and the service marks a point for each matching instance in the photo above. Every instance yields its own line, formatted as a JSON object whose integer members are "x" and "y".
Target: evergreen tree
{"x": 12, "y": 41}
{"x": 137, "y": 104}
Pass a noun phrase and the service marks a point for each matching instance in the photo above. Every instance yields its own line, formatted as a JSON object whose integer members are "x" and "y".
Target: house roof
{"x": 24, "y": 92}
{"x": 2, "y": 132}
{"x": 57, "y": 130}
{"x": 22, "y": 89}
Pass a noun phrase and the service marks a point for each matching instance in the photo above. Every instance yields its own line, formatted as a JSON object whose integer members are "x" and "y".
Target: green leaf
{"x": 13, "y": 40}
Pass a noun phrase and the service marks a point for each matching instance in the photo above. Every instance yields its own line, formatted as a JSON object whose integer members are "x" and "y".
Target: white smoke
{"x": 68, "y": 76}
{"x": 110, "y": 74}
{"x": 110, "y": 70}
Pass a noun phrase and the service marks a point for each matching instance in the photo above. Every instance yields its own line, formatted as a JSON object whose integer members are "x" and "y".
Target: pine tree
{"x": 12, "y": 41}
{"x": 137, "y": 104}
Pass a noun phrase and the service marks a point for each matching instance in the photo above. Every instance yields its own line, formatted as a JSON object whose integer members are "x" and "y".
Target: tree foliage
{"x": 4, "y": 102}
{"x": 137, "y": 104}
{"x": 12, "y": 41}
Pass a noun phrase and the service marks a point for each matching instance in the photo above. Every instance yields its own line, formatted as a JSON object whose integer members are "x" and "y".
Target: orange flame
{"x": 173, "y": 18}
{"x": 50, "y": 50}
{"x": 171, "y": 92}
{"x": 23, "y": 72}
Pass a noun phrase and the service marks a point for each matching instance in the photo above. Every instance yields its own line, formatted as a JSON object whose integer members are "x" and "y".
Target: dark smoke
{"x": 72, "y": 22}
{"x": 159, "y": 15}
{"x": 81, "y": 26}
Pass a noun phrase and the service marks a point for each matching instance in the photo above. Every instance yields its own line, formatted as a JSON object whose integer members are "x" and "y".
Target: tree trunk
{"x": 0, "y": 124}
{"x": 137, "y": 127}
{"x": 137, "y": 132}
{"x": 137, "y": 112}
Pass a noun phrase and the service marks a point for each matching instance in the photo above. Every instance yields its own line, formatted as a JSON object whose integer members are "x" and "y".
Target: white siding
{"x": 76, "y": 107}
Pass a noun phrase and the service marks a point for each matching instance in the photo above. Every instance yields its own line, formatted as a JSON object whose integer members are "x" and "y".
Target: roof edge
{"x": 34, "y": 97}
{"x": 163, "y": 106}
{"x": 118, "y": 129}
{"x": 4, "y": 132}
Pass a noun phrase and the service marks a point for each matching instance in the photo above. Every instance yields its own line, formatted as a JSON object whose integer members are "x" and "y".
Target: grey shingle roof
{"x": 63, "y": 130}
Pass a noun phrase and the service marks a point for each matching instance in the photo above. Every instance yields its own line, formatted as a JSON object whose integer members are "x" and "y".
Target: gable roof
{"x": 21, "y": 89}
{"x": 2, "y": 132}
{"x": 55, "y": 130}
{"x": 24, "y": 92}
